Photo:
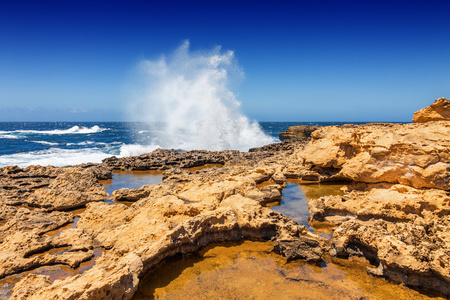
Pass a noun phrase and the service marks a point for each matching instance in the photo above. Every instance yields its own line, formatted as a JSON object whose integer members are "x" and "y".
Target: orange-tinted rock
{"x": 438, "y": 111}
{"x": 400, "y": 222}
{"x": 73, "y": 188}
{"x": 413, "y": 253}
{"x": 410, "y": 154}
{"x": 180, "y": 215}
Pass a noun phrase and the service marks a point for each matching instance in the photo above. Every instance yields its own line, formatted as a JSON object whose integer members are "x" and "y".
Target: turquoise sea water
{"x": 70, "y": 143}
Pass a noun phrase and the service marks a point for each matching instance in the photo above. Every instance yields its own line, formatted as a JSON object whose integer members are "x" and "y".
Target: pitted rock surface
{"x": 395, "y": 211}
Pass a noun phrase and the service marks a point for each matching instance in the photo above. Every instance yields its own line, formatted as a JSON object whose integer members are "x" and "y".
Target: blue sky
{"x": 303, "y": 60}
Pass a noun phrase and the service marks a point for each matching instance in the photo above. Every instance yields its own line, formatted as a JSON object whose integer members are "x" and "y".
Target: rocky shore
{"x": 395, "y": 210}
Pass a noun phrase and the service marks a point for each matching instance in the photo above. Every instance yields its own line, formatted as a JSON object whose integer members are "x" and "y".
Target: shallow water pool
{"x": 294, "y": 203}
{"x": 131, "y": 179}
{"x": 249, "y": 270}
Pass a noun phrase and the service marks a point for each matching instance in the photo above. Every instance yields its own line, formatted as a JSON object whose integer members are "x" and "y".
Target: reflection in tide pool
{"x": 249, "y": 270}
{"x": 294, "y": 203}
{"x": 137, "y": 179}
{"x": 130, "y": 180}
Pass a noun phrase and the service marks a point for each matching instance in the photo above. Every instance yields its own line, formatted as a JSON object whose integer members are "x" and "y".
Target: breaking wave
{"x": 190, "y": 94}
{"x": 45, "y": 143}
{"x": 72, "y": 130}
{"x": 54, "y": 157}
{"x": 64, "y": 157}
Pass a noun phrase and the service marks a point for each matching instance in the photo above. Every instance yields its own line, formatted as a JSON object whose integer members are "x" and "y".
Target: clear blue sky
{"x": 303, "y": 60}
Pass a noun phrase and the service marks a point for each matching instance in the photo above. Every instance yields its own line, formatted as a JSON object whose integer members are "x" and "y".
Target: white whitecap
{"x": 45, "y": 143}
{"x": 72, "y": 130}
{"x": 8, "y": 136}
{"x": 54, "y": 157}
{"x": 82, "y": 143}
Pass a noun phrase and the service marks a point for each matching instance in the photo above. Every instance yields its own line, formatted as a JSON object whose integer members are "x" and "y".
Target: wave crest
{"x": 72, "y": 130}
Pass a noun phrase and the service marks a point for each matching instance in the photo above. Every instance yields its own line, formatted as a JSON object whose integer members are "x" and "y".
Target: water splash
{"x": 190, "y": 94}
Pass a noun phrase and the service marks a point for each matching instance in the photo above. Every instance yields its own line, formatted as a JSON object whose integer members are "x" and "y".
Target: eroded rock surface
{"x": 411, "y": 154}
{"x": 300, "y": 248}
{"x": 16, "y": 184}
{"x": 296, "y": 133}
{"x": 402, "y": 229}
{"x": 395, "y": 210}
{"x": 71, "y": 189}
{"x": 397, "y": 203}
{"x": 185, "y": 212}
{"x": 438, "y": 111}
{"x": 414, "y": 253}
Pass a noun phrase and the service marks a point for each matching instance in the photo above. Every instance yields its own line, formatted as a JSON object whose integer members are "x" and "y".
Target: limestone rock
{"x": 438, "y": 111}
{"x": 402, "y": 230}
{"x": 183, "y": 213}
{"x": 400, "y": 222}
{"x": 16, "y": 184}
{"x": 31, "y": 285}
{"x": 71, "y": 189}
{"x": 413, "y": 253}
{"x": 127, "y": 194}
{"x": 410, "y": 154}
{"x": 399, "y": 203}
{"x": 300, "y": 248}
{"x": 295, "y": 133}
{"x": 165, "y": 159}
{"x": 267, "y": 194}
{"x": 37, "y": 221}
{"x": 279, "y": 178}
{"x": 118, "y": 281}
{"x": 271, "y": 193}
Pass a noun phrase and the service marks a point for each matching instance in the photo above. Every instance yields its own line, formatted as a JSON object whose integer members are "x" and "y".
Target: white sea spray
{"x": 191, "y": 95}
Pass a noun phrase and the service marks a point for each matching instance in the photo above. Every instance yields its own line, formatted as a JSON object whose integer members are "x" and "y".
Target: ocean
{"x": 71, "y": 143}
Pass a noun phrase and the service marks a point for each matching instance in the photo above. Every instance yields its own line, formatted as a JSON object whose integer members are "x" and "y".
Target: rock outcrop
{"x": 438, "y": 111}
{"x": 296, "y": 133}
{"x": 395, "y": 211}
{"x": 71, "y": 189}
{"x": 411, "y": 154}
{"x": 184, "y": 213}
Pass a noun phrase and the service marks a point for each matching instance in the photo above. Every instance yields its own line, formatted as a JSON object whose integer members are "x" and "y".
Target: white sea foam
{"x": 135, "y": 149}
{"x": 55, "y": 157}
{"x": 65, "y": 157}
{"x": 85, "y": 143}
{"x": 45, "y": 143}
{"x": 8, "y": 136}
{"x": 72, "y": 130}
{"x": 191, "y": 94}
